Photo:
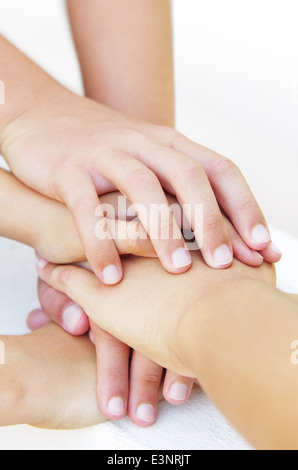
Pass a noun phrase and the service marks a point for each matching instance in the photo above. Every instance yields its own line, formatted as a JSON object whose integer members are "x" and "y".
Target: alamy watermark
{"x": 158, "y": 220}
{"x": 2, "y": 353}
{"x": 294, "y": 355}
{"x": 2, "y": 92}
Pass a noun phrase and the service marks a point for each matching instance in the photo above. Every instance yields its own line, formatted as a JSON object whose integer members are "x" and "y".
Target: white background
{"x": 237, "y": 92}
{"x": 236, "y": 81}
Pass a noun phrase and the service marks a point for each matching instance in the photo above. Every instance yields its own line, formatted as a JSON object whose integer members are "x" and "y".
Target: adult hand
{"x": 72, "y": 149}
{"x": 127, "y": 381}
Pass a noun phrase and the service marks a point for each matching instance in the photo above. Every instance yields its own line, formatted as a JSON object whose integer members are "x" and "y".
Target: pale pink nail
{"x": 222, "y": 256}
{"x": 146, "y": 412}
{"x": 71, "y": 317}
{"x": 260, "y": 234}
{"x": 275, "y": 249}
{"x": 180, "y": 258}
{"x": 178, "y": 391}
{"x": 42, "y": 263}
{"x": 256, "y": 253}
{"x": 116, "y": 406}
{"x": 111, "y": 275}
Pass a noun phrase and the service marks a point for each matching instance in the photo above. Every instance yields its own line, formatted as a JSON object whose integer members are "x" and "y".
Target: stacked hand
{"x": 74, "y": 150}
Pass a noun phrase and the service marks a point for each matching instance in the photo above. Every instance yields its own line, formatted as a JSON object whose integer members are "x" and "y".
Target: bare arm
{"x": 31, "y": 218}
{"x": 126, "y": 57}
{"x": 231, "y": 329}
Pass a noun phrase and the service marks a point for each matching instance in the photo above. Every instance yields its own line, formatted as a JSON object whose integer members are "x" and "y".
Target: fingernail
{"x": 260, "y": 234}
{"x": 146, "y": 412}
{"x": 111, "y": 275}
{"x": 116, "y": 406}
{"x": 41, "y": 264}
{"x": 91, "y": 336}
{"x": 256, "y": 253}
{"x": 71, "y": 317}
{"x": 178, "y": 391}
{"x": 222, "y": 255}
{"x": 275, "y": 249}
{"x": 180, "y": 258}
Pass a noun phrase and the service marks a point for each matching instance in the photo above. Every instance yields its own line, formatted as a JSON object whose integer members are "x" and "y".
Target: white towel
{"x": 195, "y": 425}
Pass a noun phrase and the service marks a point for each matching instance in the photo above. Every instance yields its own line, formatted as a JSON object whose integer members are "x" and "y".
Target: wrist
{"x": 208, "y": 324}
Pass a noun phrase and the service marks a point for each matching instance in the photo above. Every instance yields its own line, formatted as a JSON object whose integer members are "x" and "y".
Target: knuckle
{"x": 133, "y": 135}
{"x": 134, "y": 240}
{"x": 83, "y": 206}
{"x": 142, "y": 178}
{"x": 192, "y": 171}
{"x": 64, "y": 166}
{"x": 151, "y": 380}
{"x": 176, "y": 138}
{"x": 168, "y": 132}
{"x": 214, "y": 223}
{"x": 222, "y": 166}
{"x": 247, "y": 205}
{"x": 114, "y": 375}
{"x": 64, "y": 274}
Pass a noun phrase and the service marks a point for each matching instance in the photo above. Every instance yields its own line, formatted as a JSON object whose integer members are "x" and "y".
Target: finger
{"x": 131, "y": 238}
{"x": 143, "y": 189}
{"x": 271, "y": 254}
{"x": 79, "y": 194}
{"x": 232, "y": 192}
{"x": 83, "y": 287}
{"x": 195, "y": 194}
{"x": 177, "y": 389}
{"x": 37, "y": 319}
{"x": 145, "y": 380}
{"x": 112, "y": 373}
{"x": 61, "y": 310}
{"x": 241, "y": 251}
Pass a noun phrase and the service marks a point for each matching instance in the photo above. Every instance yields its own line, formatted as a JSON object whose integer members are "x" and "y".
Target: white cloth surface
{"x": 195, "y": 425}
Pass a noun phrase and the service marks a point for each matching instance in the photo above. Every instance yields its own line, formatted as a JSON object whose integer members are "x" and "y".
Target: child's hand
{"x": 125, "y": 384}
{"x": 72, "y": 149}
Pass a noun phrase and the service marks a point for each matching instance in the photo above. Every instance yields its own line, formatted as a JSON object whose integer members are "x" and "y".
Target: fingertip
{"x": 259, "y": 237}
{"x": 37, "y": 319}
{"x": 222, "y": 257}
{"x": 177, "y": 394}
{"x": 75, "y": 320}
{"x": 111, "y": 275}
{"x": 116, "y": 408}
{"x": 276, "y": 251}
{"x": 41, "y": 264}
{"x": 272, "y": 254}
{"x": 145, "y": 415}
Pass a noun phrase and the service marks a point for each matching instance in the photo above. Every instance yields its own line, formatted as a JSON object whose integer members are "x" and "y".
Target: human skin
{"x": 74, "y": 165}
{"x": 137, "y": 81}
{"x": 80, "y": 149}
{"x": 158, "y": 83}
{"x": 49, "y": 380}
{"x": 33, "y": 219}
{"x": 126, "y": 59}
{"x": 28, "y": 388}
{"x": 231, "y": 329}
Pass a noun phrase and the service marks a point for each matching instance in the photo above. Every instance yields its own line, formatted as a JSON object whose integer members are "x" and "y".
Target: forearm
{"x": 126, "y": 57}
{"x": 22, "y": 80}
{"x": 242, "y": 358}
{"x": 17, "y": 209}
{"x": 32, "y": 219}
{"x": 231, "y": 329}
